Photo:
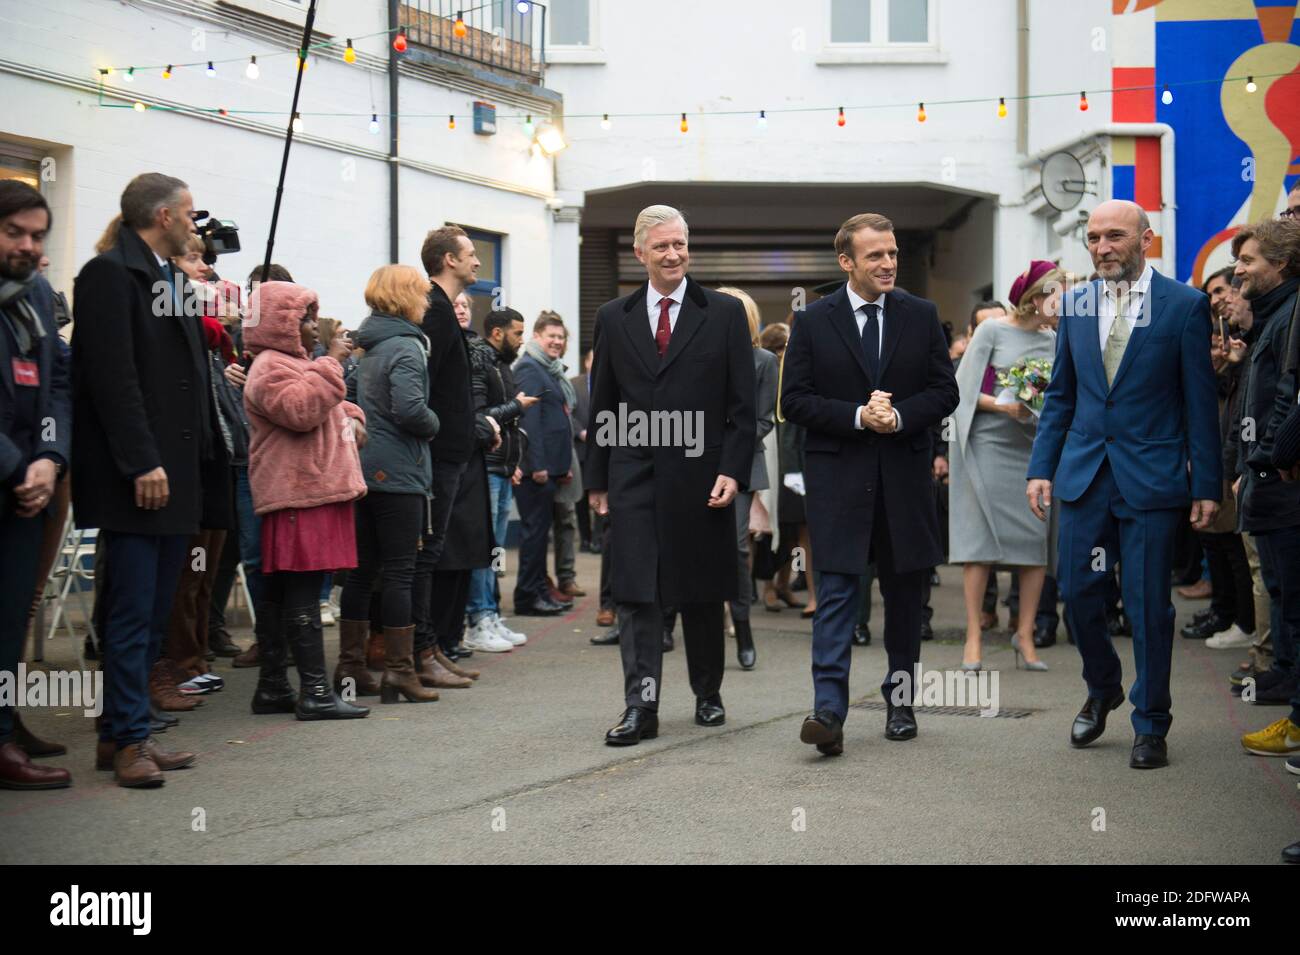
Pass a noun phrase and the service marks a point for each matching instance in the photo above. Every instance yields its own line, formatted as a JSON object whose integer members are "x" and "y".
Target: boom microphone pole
{"x": 288, "y": 136}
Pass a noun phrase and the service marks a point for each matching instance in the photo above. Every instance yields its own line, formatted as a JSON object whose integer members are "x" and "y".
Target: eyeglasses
{"x": 1292, "y": 213}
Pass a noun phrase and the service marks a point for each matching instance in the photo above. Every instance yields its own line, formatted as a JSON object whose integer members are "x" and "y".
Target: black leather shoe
{"x": 221, "y": 644}
{"x": 636, "y": 724}
{"x": 1149, "y": 752}
{"x": 608, "y": 638}
{"x": 862, "y": 635}
{"x": 1206, "y": 627}
{"x": 900, "y": 723}
{"x": 824, "y": 730}
{"x": 668, "y": 640}
{"x": 1091, "y": 721}
{"x": 934, "y": 578}
{"x": 156, "y": 726}
{"x": 927, "y": 631}
{"x": 1044, "y": 636}
{"x": 162, "y": 716}
{"x": 710, "y": 712}
{"x": 1291, "y": 853}
{"x": 1117, "y": 624}
{"x": 745, "y": 652}
{"x": 539, "y": 608}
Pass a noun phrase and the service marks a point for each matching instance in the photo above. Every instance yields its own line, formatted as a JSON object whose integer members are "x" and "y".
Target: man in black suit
{"x": 867, "y": 374}
{"x": 142, "y": 404}
{"x": 671, "y": 441}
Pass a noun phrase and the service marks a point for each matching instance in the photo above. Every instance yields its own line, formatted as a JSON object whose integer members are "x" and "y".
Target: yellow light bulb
{"x": 349, "y": 54}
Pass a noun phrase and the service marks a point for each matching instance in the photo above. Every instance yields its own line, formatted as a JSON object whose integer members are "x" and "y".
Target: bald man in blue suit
{"x": 1127, "y": 440}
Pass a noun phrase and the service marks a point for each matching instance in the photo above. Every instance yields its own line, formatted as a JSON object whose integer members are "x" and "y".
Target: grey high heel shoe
{"x": 972, "y": 667}
{"x": 1035, "y": 666}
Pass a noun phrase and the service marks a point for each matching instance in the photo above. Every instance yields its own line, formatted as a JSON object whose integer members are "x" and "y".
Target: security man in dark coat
{"x": 143, "y": 406}
{"x": 35, "y": 436}
{"x": 671, "y": 441}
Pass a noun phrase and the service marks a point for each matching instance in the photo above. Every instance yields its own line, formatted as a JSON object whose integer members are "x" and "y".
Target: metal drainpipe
{"x": 393, "y": 24}
{"x": 1022, "y": 76}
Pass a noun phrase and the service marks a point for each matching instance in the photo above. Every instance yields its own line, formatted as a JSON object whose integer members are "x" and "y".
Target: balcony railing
{"x": 496, "y": 34}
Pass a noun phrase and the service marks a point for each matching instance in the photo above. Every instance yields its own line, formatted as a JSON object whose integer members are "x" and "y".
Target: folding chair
{"x": 70, "y": 567}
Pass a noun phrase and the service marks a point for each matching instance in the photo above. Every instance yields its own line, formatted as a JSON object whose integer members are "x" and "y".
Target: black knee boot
{"x": 316, "y": 699}
{"x": 274, "y": 693}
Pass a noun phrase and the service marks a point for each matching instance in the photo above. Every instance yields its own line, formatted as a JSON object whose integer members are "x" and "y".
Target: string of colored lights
{"x": 839, "y": 113}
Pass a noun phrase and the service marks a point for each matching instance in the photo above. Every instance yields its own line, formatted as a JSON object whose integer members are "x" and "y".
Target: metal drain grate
{"x": 1004, "y": 713}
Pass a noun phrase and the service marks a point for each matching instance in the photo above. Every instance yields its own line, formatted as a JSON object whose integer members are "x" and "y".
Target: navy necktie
{"x": 871, "y": 339}
{"x": 170, "y": 275}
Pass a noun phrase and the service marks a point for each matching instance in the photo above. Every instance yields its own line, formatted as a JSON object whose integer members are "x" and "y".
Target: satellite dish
{"x": 1063, "y": 182}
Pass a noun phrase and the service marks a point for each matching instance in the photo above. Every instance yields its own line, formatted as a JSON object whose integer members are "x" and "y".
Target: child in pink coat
{"x": 305, "y": 472}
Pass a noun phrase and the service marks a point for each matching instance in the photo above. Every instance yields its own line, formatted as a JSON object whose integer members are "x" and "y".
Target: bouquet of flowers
{"x": 1025, "y": 381}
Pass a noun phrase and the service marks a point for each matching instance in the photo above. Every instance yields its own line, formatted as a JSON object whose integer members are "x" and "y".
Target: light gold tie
{"x": 1117, "y": 340}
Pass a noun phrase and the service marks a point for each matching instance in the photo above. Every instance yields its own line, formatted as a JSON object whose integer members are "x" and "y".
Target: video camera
{"x": 219, "y": 235}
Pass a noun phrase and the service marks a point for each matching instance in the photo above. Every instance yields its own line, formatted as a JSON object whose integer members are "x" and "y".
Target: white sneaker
{"x": 326, "y": 614}
{"x": 1232, "y": 638}
{"x": 515, "y": 637}
{"x": 482, "y": 636}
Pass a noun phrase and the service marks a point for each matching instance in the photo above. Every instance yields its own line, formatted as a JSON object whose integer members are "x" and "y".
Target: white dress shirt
{"x": 652, "y": 300}
{"x": 1107, "y": 306}
{"x": 856, "y": 302}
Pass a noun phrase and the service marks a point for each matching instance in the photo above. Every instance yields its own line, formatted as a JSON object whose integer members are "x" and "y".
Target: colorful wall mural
{"x": 1236, "y": 150}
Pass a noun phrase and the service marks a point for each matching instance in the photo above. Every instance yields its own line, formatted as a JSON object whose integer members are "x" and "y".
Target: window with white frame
{"x": 880, "y": 22}
{"x": 881, "y": 31}
{"x": 571, "y": 34}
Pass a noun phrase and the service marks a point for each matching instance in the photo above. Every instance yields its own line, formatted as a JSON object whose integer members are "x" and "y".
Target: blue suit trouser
{"x": 1097, "y": 531}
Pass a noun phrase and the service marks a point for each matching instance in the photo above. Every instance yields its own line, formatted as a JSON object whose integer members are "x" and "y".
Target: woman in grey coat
{"x": 988, "y": 523}
{"x": 393, "y": 390}
{"x": 765, "y": 376}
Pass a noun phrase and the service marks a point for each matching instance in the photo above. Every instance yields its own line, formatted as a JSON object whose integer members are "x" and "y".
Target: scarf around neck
{"x": 556, "y": 369}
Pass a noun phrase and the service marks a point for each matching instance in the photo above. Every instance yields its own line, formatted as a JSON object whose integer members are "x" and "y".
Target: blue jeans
{"x": 141, "y": 573}
{"x": 483, "y": 581}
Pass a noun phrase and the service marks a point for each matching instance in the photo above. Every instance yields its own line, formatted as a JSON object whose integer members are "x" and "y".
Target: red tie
{"x": 665, "y": 330}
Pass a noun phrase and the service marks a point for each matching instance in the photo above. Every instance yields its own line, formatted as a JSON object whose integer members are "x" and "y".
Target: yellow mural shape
{"x": 1245, "y": 113}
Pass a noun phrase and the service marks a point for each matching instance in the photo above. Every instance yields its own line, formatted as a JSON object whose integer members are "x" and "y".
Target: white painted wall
{"x": 333, "y": 227}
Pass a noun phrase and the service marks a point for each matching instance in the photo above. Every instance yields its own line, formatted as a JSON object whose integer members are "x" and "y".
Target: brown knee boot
{"x": 375, "y": 650}
{"x": 352, "y": 658}
{"x": 400, "y": 678}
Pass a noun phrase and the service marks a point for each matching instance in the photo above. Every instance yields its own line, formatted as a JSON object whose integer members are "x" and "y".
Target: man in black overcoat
{"x": 142, "y": 404}
{"x": 671, "y": 441}
{"x": 867, "y": 374}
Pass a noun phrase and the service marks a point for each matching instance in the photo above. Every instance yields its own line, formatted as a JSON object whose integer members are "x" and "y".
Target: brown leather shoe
{"x": 453, "y": 666}
{"x": 605, "y": 618}
{"x": 434, "y": 674}
{"x": 570, "y": 588}
{"x": 134, "y": 767}
{"x": 18, "y": 772}
{"x": 163, "y": 692}
{"x": 106, "y": 750}
{"x": 249, "y": 658}
{"x": 988, "y": 620}
{"x": 32, "y": 744}
{"x": 400, "y": 679}
{"x": 1201, "y": 590}
{"x": 352, "y": 658}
